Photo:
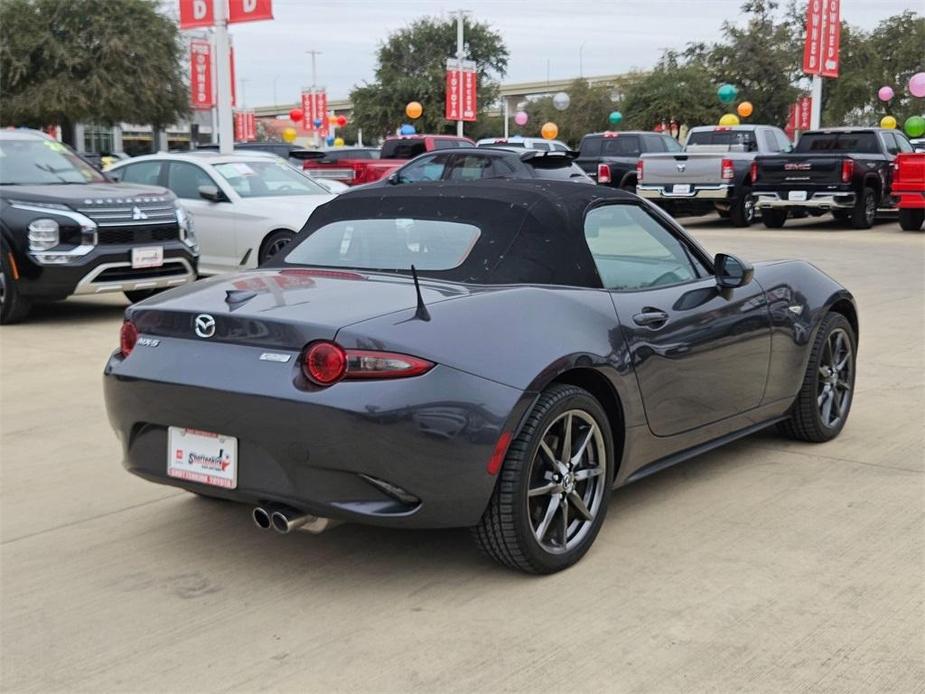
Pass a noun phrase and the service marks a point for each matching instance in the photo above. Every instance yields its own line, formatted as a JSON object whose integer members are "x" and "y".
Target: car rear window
{"x": 861, "y": 143}
{"x": 558, "y": 169}
{"x": 744, "y": 139}
{"x": 621, "y": 146}
{"x": 403, "y": 149}
{"x": 387, "y": 244}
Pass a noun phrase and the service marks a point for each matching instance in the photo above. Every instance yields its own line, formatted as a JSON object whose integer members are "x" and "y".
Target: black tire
{"x": 842, "y": 216}
{"x": 806, "y": 422}
{"x": 273, "y": 244}
{"x": 14, "y": 307}
{"x": 141, "y": 294}
{"x": 773, "y": 218}
{"x": 743, "y": 212}
{"x": 506, "y": 532}
{"x": 911, "y": 219}
{"x": 865, "y": 209}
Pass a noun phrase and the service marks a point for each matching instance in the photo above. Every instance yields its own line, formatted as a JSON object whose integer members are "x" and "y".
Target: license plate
{"x": 681, "y": 188}
{"x": 201, "y": 456}
{"x": 149, "y": 256}
{"x": 798, "y": 195}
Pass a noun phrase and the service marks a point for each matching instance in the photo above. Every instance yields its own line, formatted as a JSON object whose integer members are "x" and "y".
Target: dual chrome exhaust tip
{"x": 284, "y": 519}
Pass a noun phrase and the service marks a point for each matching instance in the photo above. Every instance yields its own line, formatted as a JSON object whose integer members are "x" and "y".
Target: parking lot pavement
{"x": 766, "y": 566}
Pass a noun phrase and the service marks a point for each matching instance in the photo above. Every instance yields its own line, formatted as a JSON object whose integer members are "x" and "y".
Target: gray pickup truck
{"x": 712, "y": 172}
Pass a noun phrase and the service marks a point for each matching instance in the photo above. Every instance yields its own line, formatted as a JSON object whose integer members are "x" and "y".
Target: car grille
{"x": 128, "y": 274}
{"x": 148, "y": 234}
{"x": 131, "y": 214}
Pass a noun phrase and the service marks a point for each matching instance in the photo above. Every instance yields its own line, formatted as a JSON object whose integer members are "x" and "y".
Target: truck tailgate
{"x": 799, "y": 169}
{"x": 659, "y": 169}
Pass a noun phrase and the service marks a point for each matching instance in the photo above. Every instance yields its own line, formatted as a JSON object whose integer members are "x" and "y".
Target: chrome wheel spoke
{"x": 547, "y": 518}
{"x": 583, "y": 447}
{"x": 563, "y": 505}
{"x": 579, "y": 505}
{"x": 567, "y": 440}
{"x": 549, "y": 454}
{"x": 588, "y": 473}
{"x": 551, "y": 488}
{"x": 827, "y": 408}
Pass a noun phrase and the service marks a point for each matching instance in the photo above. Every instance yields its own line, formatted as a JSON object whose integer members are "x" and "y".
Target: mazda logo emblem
{"x": 204, "y": 325}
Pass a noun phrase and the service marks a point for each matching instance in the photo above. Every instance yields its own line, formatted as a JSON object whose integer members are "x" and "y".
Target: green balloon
{"x": 615, "y": 117}
{"x": 727, "y": 93}
{"x": 914, "y": 126}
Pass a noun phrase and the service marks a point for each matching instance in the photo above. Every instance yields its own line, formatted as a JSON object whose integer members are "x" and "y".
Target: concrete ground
{"x": 766, "y": 566}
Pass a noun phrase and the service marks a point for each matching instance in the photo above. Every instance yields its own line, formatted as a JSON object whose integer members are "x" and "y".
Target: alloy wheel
{"x": 751, "y": 209}
{"x": 567, "y": 481}
{"x": 275, "y": 247}
{"x": 836, "y": 372}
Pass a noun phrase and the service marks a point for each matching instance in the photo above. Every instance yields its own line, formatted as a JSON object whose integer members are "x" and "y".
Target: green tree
{"x": 679, "y": 87}
{"x": 94, "y": 61}
{"x": 412, "y": 67}
{"x": 587, "y": 112}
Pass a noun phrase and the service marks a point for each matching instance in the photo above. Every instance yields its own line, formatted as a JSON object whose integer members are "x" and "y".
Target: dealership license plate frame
{"x": 681, "y": 189}
{"x": 797, "y": 195}
{"x": 147, "y": 256}
{"x": 194, "y": 455}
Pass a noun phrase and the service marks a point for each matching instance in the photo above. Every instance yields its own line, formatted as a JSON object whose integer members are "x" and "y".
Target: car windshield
{"x": 861, "y": 143}
{"x": 42, "y": 162}
{"x": 387, "y": 244}
{"x": 266, "y": 179}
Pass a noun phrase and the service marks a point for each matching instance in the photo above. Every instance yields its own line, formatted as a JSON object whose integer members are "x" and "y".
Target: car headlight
{"x": 43, "y": 234}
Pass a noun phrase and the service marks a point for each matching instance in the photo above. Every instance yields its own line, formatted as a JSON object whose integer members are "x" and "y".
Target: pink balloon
{"x": 885, "y": 93}
{"x": 520, "y": 118}
{"x": 917, "y": 85}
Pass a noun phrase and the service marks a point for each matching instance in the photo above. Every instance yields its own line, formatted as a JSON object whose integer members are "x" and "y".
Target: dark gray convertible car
{"x": 470, "y": 355}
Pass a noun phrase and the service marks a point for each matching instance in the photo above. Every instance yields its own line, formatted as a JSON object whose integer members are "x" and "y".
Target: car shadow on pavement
{"x": 825, "y": 223}
{"x": 75, "y": 310}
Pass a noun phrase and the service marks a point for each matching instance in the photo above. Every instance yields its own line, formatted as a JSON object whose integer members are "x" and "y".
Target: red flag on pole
{"x": 196, "y": 13}
{"x": 201, "y": 92}
{"x": 249, "y": 10}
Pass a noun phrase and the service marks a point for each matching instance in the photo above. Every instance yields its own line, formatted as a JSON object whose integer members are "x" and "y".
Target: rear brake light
{"x": 847, "y": 170}
{"x": 603, "y": 173}
{"x": 324, "y": 363}
{"x": 728, "y": 170}
{"x": 128, "y": 336}
{"x": 639, "y": 170}
{"x": 753, "y": 172}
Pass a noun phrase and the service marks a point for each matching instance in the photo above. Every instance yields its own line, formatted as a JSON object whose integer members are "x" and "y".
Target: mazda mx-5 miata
{"x": 495, "y": 356}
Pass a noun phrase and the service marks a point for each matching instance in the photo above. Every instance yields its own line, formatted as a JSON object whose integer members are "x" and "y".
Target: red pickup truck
{"x": 360, "y": 165}
{"x": 909, "y": 187}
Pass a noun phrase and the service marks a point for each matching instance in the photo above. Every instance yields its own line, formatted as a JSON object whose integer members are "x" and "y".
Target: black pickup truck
{"x": 65, "y": 229}
{"x": 845, "y": 171}
{"x": 611, "y": 158}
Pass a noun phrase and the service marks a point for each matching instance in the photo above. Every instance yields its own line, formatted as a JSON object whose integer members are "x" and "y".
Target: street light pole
{"x": 581, "y": 71}
{"x": 316, "y": 137}
{"x": 223, "y": 68}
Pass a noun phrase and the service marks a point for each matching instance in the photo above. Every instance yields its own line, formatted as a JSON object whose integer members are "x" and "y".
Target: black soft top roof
{"x": 532, "y": 232}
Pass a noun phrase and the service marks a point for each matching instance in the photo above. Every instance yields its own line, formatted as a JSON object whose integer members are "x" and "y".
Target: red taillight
{"x": 847, "y": 170}
{"x": 603, "y": 173}
{"x": 753, "y": 171}
{"x": 128, "y": 336}
{"x": 325, "y": 363}
{"x": 729, "y": 171}
{"x": 639, "y": 169}
{"x": 497, "y": 456}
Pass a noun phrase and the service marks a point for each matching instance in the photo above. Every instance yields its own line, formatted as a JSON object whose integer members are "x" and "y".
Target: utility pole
{"x": 316, "y": 137}
{"x": 581, "y": 70}
{"x": 815, "y": 114}
{"x": 223, "y": 68}
{"x": 313, "y": 53}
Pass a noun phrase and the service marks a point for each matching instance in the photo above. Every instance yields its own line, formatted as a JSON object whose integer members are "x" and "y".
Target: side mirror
{"x": 393, "y": 178}
{"x": 732, "y": 272}
{"x": 212, "y": 194}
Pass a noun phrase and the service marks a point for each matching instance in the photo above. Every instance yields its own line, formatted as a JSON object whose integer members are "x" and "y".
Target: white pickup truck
{"x": 712, "y": 172}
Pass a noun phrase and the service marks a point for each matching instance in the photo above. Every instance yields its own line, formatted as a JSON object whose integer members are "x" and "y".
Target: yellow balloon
{"x": 888, "y": 122}
{"x": 745, "y": 109}
{"x": 338, "y": 142}
{"x": 414, "y": 110}
{"x": 549, "y": 131}
{"x": 289, "y": 134}
{"x": 729, "y": 119}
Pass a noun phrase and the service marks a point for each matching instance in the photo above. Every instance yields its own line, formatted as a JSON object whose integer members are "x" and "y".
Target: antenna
{"x": 421, "y": 312}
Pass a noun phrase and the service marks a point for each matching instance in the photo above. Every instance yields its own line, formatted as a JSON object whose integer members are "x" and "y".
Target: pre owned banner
{"x": 249, "y": 10}
{"x": 196, "y": 13}
{"x": 202, "y": 95}
{"x": 823, "y": 37}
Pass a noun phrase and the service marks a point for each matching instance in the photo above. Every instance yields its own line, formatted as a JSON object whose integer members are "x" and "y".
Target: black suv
{"x": 65, "y": 229}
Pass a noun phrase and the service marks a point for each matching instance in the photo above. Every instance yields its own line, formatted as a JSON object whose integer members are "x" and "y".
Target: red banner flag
{"x": 250, "y": 126}
{"x": 315, "y": 107}
{"x": 461, "y": 90}
{"x": 196, "y": 13}
{"x": 831, "y": 37}
{"x": 239, "y": 126}
{"x": 469, "y": 95}
{"x": 805, "y": 107}
{"x": 249, "y": 10}
{"x": 453, "y": 109}
{"x": 201, "y": 93}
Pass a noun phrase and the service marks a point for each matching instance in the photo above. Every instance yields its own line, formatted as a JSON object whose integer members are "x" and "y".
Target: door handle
{"x": 651, "y": 317}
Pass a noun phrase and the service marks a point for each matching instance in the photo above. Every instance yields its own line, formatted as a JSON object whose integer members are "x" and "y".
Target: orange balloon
{"x": 414, "y": 110}
{"x": 332, "y": 120}
{"x": 549, "y": 131}
{"x": 745, "y": 109}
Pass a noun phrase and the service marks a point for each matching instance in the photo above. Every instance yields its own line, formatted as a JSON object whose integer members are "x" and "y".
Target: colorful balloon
{"x": 888, "y": 122}
{"x": 615, "y": 117}
{"x": 332, "y": 120}
{"x": 289, "y": 134}
{"x": 917, "y": 85}
{"x": 885, "y": 93}
{"x": 295, "y": 115}
{"x": 549, "y": 131}
{"x": 727, "y": 93}
{"x": 317, "y": 122}
{"x": 729, "y": 119}
{"x": 341, "y": 121}
{"x": 745, "y": 109}
{"x": 338, "y": 142}
{"x": 914, "y": 126}
{"x": 561, "y": 101}
{"x": 521, "y": 118}
{"x": 414, "y": 110}
{"x": 330, "y": 140}
{"x": 407, "y": 129}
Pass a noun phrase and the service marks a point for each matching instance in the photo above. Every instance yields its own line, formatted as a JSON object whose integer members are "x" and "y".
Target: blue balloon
{"x": 330, "y": 140}
{"x": 407, "y": 129}
{"x": 317, "y": 122}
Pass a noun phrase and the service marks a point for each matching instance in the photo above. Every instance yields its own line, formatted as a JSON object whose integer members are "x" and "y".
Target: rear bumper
{"x": 821, "y": 201}
{"x": 711, "y": 192}
{"x": 911, "y": 199}
{"x": 431, "y": 436}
